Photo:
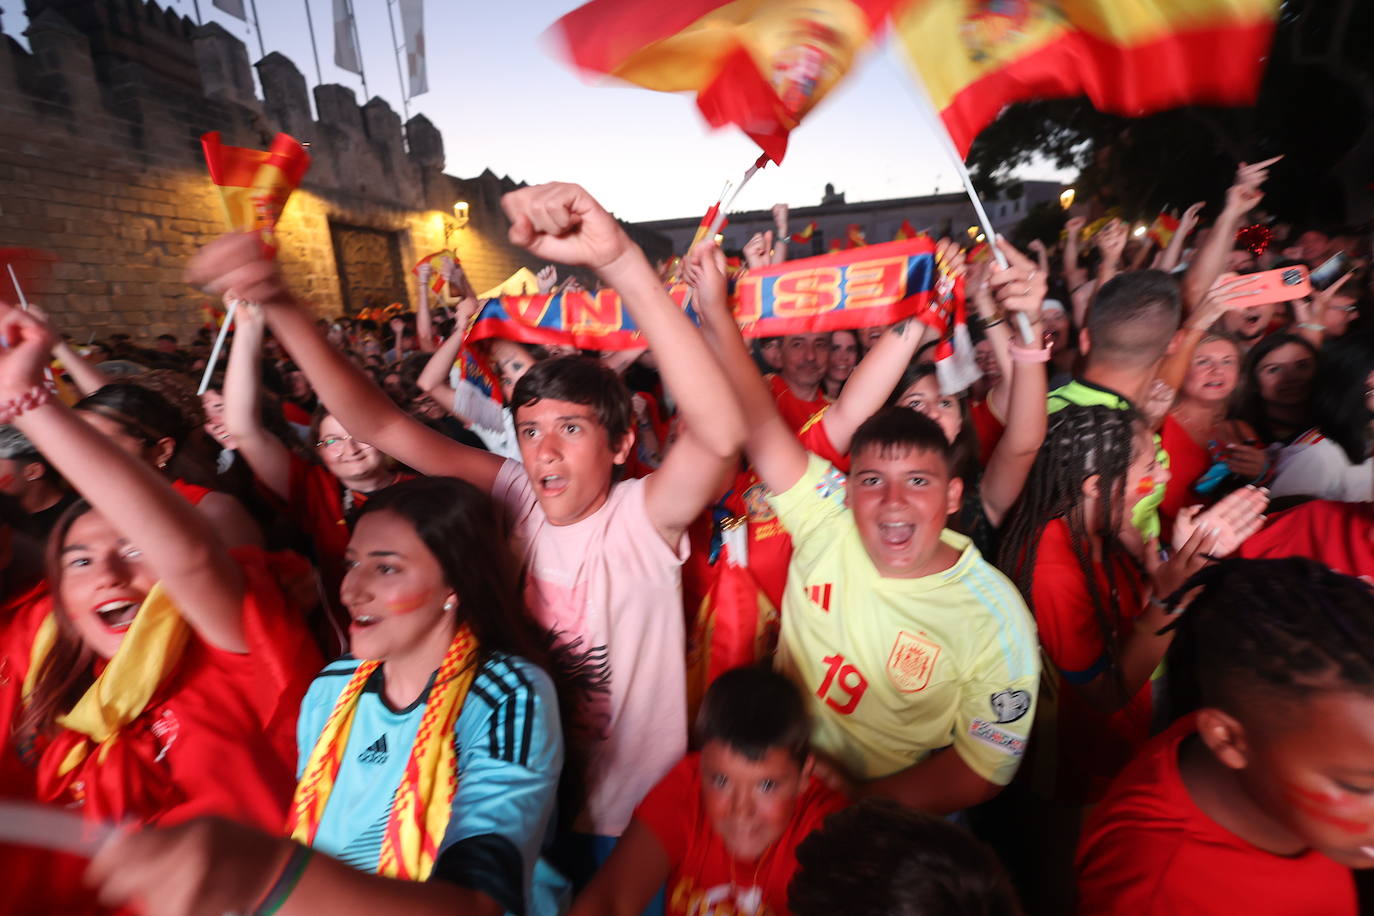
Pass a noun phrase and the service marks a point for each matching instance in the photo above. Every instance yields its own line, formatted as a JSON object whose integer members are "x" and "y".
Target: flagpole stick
{"x": 722, "y": 204}
{"x": 314, "y": 48}
{"x": 219, "y": 345}
{"x": 353, "y": 27}
{"x": 257, "y": 24}
{"x": 19, "y": 290}
{"x": 396, "y": 51}
{"x": 941, "y": 133}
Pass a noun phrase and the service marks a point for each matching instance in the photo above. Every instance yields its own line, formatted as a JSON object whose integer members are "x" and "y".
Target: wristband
{"x": 1309, "y": 326}
{"x": 994, "y": 322}
{"x": 1020, "y": 354}
{"x": 286, "y": 881}
{"x": 36, "y": 396}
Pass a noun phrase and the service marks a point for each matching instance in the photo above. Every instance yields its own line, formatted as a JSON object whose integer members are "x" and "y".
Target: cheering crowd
{"x": 349, "y": 634}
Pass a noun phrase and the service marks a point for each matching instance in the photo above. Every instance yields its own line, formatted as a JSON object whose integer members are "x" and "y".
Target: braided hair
{"x": 1081, "y": 441}
{"x": 1290, "y": 625}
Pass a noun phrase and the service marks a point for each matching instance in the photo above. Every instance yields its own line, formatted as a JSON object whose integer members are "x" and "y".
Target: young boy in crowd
{"x": 1263, "y": 800}
{"x": 918, "y": 659}
{"x": 877, "y": 858}
{"x": 601, "y": 559}
{"x": 723, "y": 826}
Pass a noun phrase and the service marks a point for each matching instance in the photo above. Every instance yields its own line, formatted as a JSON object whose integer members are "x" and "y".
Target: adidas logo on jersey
{"x": 375, "y": 753}
{"x": 820, "y": 596}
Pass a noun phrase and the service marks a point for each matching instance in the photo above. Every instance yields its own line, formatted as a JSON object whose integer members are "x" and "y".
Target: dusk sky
{"x": 505, "y": 100}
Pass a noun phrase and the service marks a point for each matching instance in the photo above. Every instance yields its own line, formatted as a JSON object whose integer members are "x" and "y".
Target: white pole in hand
{"x": 18, "y": 290}
{"x": 219, "y": 345}
{"x": 941, "y": 134}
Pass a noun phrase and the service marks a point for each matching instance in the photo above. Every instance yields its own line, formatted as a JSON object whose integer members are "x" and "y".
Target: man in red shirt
{"x": 721, "y": 829}
{"x": 1341, "y": 535}
{"x": 1261, "y": 801}
{"x": 797, "y": 385}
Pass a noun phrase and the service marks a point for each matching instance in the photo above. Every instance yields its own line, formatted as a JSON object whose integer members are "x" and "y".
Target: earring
{"x": 450, "y": 605}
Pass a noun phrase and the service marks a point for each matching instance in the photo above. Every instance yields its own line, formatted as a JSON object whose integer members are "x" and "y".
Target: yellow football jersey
{"x": 896, "y": 668}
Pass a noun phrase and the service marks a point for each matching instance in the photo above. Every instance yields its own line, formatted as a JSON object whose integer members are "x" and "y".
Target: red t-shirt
{"x": 704, "y": 877}
{"x": 218, "y": 737}
{"x": 988, "y": 428}
{"x": 1341, "y": 535}
{"x": 20, "y": 616}
{"x": 1089, "y": 747}
{"x": 1187, "y": 462}
{"x": 794, "y": 410}
{"x": 1148, "y": 849}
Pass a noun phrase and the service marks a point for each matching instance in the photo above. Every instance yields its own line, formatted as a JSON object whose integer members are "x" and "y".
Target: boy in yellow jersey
{"x": 919, "y": 660}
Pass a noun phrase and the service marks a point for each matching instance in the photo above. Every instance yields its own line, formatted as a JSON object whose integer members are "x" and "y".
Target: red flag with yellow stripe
{"x": 854, "y": 236}
{"x": 905, "y": 231}
{"x": 255, "y": 184}
{"x": 758, "y": 64}
{"x": 1129, "y": 57}
{"x": 805, "y": 234}
{"x": 1163, "y": 228}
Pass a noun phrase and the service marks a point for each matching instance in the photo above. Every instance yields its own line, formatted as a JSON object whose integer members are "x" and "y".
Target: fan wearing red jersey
{"x": 722, "y": 828}
{"x": 1263, "y": 799}
{"x": 164, "y": 685}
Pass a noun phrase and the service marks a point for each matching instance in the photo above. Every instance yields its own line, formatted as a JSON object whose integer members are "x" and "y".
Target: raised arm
{"x": 996, "y": 329}
{"x": 1074, "y": 275}
{"x": 86, "y": 378}
{"x": 771, "y": 446}
{"x": 424, "y": 321}
{"x": 236, "y": 261}
{"x": 176, "y": 541}
{"x": 265, "y": 453}
{"x": 563, "y": 223}
{"x": 1224, "y": 295}
{"x": 1020, "y": 287}
{"x": 1169, "y": 258}
{"x": 881, "y": 369}
{"x": 434, "y": 378}
{"x": 1242, "y": 197}
{"x": 780, "y": 234}
{"x": 1111, "y": 242}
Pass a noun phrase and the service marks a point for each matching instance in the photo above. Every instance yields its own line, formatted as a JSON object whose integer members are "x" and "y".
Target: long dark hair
{"x": 1080, "y": 442}
{"x": 1338, "y": 401}
{"x": 458, "y": 524}
{"x": 1251, "y": 407}
{"x": 68, "y": 670}
{"x": 145, "y": 413}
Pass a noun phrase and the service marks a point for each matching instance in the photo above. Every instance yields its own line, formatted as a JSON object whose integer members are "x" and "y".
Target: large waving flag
{"x": 1130, "y": 57}
{"x": 758, "y": 64}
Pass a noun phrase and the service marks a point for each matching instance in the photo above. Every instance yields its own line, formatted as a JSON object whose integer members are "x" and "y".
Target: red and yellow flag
{"x": 805, "y": 233}
{"x": 1130, "y": 57}
{"x": 758, "y": 64}
{"x": 905, "y": 231}
{"x": 1163, "y": 228}
{"x": 854, "y": 236}
{"x": 439, "y": 264}
{"x": 254, "y": 184}
{"x": 834, "y": 246}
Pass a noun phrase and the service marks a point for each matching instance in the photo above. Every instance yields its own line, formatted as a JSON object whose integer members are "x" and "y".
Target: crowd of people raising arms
{"x": 350, "y": 633}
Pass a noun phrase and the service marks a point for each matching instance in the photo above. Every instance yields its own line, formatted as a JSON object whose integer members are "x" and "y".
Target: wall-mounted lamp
{"x": 1066, "y": 197}
{"x": 460, "y": 213}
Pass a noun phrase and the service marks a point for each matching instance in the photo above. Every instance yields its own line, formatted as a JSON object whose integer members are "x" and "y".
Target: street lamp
{"x": 1066, "y": 197}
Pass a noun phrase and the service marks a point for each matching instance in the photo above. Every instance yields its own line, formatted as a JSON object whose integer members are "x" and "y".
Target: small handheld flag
{"x": 254, "y": 184}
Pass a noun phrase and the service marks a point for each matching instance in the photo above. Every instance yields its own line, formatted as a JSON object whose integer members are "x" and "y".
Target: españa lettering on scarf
{"x": 861, "y": 287}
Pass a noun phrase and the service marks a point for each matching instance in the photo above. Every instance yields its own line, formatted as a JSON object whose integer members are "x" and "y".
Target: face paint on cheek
{"x": 407, "y": 604}
{"x": 1145, "y": 486}
{"x": 1323, "y": 808}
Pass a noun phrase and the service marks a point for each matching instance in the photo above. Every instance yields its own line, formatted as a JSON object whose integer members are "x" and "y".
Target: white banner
{"x": 413, "y": 27}
{"x": 346, "y": 56}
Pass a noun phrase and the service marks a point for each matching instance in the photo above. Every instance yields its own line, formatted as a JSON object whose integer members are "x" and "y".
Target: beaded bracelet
{"x": 36, "y": 396}
{"x": 1020, "y": 354}
{"x": 286, "y": 882}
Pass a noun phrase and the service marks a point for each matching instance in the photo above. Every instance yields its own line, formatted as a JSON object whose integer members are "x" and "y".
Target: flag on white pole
{"x": 413, "y": 27}
{"x": 233, "y": 8}
{"x": 346, "y": 55}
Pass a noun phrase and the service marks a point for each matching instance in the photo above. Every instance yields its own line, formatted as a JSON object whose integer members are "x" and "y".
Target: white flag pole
{"x": 219, "y": 345}
{"x": 19, "y": 290}
{"x": 396, "y": 50}
{"x": 723, "y": 204}
{"x": 937, "y": 128}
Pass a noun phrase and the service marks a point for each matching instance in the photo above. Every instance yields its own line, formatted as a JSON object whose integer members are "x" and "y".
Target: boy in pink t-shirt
{"x": 601, "y": 558}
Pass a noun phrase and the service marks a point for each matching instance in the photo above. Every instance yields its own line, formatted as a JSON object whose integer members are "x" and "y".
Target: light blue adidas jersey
{"x": 510, "y": 754}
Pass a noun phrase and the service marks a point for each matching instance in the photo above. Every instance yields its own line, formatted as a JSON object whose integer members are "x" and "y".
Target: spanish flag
{"x": 805, "y": 234}
{"x": 439, "y": 264}
{"x": 255, "y": 184}
{"x": 1162, "y": 230}
{"x": 854, "y": 236}
{"x": 1129, "y": 57}
{"x": 905, "y": 231}
{"x": 835, "y": 245}
{"x": 758, "y": 64}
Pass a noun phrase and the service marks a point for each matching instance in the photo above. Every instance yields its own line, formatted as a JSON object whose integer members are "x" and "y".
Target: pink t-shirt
{"x": 610, "y": 590}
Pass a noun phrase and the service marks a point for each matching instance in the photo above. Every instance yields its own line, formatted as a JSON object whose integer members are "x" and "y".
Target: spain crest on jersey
{"x": 911, "y": 662}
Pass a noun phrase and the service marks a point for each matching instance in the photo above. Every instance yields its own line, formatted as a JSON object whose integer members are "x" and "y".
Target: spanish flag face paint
{"x": 254, "y": 184}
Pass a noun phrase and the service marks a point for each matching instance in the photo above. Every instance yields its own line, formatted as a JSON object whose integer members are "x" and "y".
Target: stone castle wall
{"x": 100, "y": 164}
